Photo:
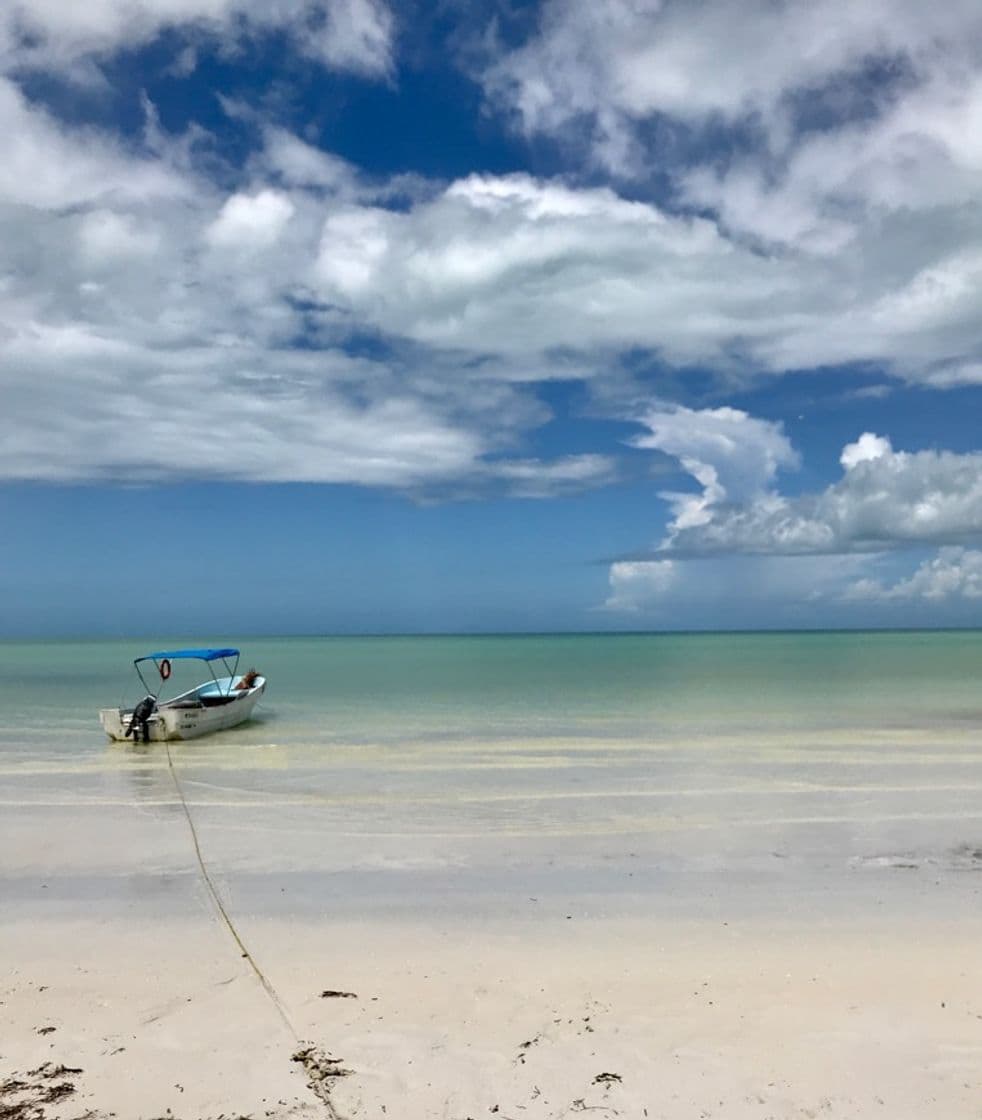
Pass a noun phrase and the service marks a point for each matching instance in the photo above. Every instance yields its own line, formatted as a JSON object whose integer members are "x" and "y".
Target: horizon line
{"x": 383, "y": 634}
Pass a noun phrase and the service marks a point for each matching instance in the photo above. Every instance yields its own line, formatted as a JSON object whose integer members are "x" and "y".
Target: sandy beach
{"x": 514, "y": 1021}
{"x": 499, "y": 975}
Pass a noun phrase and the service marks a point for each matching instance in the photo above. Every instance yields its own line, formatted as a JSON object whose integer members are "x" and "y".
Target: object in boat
{"x": 223, "y": 701}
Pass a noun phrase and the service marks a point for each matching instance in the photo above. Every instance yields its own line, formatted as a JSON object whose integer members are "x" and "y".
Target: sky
{"x": 342, "y": 316}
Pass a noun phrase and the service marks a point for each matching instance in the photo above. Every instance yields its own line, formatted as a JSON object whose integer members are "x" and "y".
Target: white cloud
{"x": 251, "y": 221}
{"x": 867, "y": 448}
{"x": 147, "y": 340}
{"x": 520, "y": 278}
{"x": 640, "y": 585}
{"x": 738, "y": 545}
{"x": 958, "y": 373}
{"x": 906, "y": 497}
{"x": 511, "y": 278}
{"x": 45, "y": 164}
{"x": 354, "y": 244}
{"x": 489, "y": 283}
{"x": 126, "y": 411}
{"x": 356, "y": 35}
{"x": 107, "y": 237}
{"x": 917, "y": 155}
{"x": 535, "y": 478}
{"x": 624, "y": 61}
{"x": 299, "y": 164}
{"x": 885, "y": 499}
{"x": 842, "y": 140}
{"x": 732, "y": 455}
{"x": 955, "y": 573}
{"x": 141, "y": 339}
{"x": 517, "y": 265}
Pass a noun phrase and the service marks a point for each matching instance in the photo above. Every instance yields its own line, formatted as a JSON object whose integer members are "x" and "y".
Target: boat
{"x": 220, "y": 702}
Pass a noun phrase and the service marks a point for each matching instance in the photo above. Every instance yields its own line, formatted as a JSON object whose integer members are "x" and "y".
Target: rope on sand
{"x": 319, "y": 1068}
{"x": 263, "y": 979}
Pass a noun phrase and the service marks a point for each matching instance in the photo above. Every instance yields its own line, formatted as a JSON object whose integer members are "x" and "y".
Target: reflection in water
{"x": 139, "y": 772}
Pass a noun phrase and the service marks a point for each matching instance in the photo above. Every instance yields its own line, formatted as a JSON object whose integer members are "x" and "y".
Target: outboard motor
{"x": 140, "y": 720}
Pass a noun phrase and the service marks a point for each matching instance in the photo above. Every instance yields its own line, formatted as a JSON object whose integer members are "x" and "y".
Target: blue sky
{"x": 341, "y": 316}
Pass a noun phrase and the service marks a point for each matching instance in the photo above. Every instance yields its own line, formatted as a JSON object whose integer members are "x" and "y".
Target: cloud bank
{"x": 809, "y": 547}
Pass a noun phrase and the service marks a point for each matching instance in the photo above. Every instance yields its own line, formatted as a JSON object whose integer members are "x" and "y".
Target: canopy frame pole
{"x": 139, "y": 673}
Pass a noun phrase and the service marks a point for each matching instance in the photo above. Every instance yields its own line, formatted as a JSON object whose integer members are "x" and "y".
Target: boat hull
{"x": 181, "y": 719}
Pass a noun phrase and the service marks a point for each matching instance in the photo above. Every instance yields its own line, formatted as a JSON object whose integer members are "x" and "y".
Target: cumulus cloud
{"x": 839, "y": 140}
{"x": 885, "y": 499}
{"x": 623, "y": 62}
{"x": 955, "y": 573}
{"x": 122, "y": 253}
{"x": 170, "y": 329}
{"x": 867, "y": 448}
{"x": 516, "y": 265}
{"x": 250, "y": 221}
{"x": 737, "y": 544}
{"x": 639, "y": 585}
{"x": 511, "y": 279}
{"x": 354, "y": 35}
{"x": 745, "y": 538}
{"x": 733, "y": 456}
{"x": 519, "y": 265}
{"x": 886, "y": 502}
{"x": 45, "y": 164}
{"x": 918, "y": 154}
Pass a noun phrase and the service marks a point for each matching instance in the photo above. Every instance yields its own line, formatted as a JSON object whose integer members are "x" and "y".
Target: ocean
{"x": 619, "y": 767}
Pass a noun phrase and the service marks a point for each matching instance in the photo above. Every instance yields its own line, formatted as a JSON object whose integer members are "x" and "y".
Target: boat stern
{"x": 112, "y": 722}
{"x": 115, "y": 721}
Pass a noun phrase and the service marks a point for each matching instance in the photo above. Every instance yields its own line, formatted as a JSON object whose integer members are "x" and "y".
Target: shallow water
{"x": 642, "y": 770}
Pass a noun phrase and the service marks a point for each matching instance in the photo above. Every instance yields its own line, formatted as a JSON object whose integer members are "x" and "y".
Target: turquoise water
{"x": 418, "y": 772}
{"x": 429, "y": 689}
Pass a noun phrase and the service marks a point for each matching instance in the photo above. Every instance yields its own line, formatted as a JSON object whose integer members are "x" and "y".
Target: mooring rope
{"x": 319, "y": 1068}
{"x": 263, "y": 979}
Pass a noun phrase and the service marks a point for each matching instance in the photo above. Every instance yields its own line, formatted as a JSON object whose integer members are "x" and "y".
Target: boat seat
{"x": 211, "y": 689}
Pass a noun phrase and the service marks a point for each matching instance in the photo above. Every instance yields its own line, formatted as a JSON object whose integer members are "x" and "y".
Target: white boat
{"x": 220, "y": 702}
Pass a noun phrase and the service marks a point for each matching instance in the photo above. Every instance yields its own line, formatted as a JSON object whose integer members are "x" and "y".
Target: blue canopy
{"x": 198, "y": 654}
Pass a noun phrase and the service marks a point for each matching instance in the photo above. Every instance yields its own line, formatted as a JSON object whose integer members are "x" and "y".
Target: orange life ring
{"x": 164, "y": 669}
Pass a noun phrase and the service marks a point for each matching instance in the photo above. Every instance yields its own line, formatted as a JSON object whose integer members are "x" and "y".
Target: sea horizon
{"x": 206, "y": 636}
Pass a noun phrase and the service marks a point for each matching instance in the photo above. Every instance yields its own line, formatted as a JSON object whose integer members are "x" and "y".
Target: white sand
{"x": 718, "y": 948}
{"x": 459, "y": 1021}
